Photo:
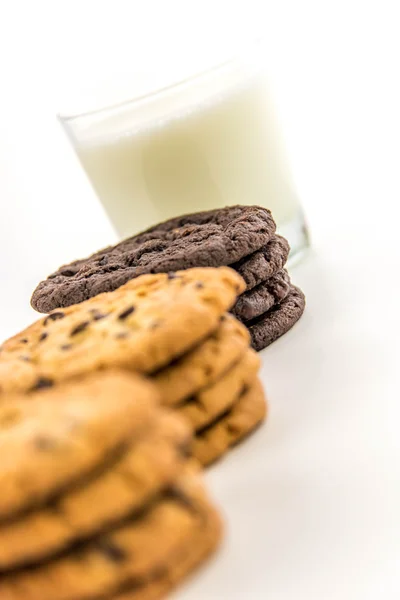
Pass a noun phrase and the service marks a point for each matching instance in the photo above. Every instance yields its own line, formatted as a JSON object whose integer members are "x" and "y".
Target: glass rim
{"x": 66, "y": 118}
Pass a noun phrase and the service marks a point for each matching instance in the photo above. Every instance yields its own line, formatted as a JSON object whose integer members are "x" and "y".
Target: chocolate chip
{"x": 23, "y": 341}
{"x": 199, "y": 285}
{"x": 55, "y": 505}
{"x": 43, "y": 336}
{"x": 42, "y": 383}
{"x": 125, "y": 314}
{"x": 53, "y": 317}
{"x": 80, "y": 327}
{"x": 185, "y": 449}
{"x": 172, "y": 275}
{"x": 159, "y": 572}
{"x": 208, "y": 370}
{"x": 111, "y": 551}
{"x": 177, "y": 494}
{"x": 122, "y": 335}
{"x": 68, "y": 272}
{"x": 66, "y": 347}
{"x": 43, "y": 443}
{"x": 98, "y": 317}
{"x": 222, "y": 319}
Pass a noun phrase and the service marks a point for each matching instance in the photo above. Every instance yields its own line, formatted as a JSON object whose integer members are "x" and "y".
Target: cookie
{"x": 278, "y": 320}
{"x": 142, "y": 327}
{"x": 202, "y": 544}
{"x": 19, "y": 343}
{"x": 151, "y": 462}
{"x": 247, "y": 413}
{"x": 258, "y": 300}
{"x": 214, "y": 400}
{"x": 18, "y": 373}
{"x": 56, "y": 437}
{"x": 203, "y": 365}
{"x": 263, "y": 263}
{"x": 145, "y": 546}
{"x": 206, "y": 239}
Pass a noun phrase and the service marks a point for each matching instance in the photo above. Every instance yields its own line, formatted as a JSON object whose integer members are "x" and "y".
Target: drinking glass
{"x": 209, "y": 141}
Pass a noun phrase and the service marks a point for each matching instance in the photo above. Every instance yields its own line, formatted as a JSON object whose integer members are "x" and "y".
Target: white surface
{"x": 312, "y": 499}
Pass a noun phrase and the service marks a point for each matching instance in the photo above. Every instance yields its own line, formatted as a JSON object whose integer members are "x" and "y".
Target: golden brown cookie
{"x": 214, "y": 400}
{"x": 145, "y": 546}
{"x": 141, "y": 326}
{"x": 19, "y": 374}
{"x": 202, "y": 544}
{"x": 57, "y": 436}
{"x": 205, "y": 363}
{"x": 246, "y": 414}
{"x": 152, "y": 461}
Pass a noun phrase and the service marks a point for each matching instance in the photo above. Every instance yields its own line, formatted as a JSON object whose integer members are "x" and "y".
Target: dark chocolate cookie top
{"x": 206, "y": 239}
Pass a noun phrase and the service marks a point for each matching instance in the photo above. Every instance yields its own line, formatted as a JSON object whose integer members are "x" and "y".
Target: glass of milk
{"x": 206, "y": 142}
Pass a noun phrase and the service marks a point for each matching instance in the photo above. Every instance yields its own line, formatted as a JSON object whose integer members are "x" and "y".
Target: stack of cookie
{"x": 215, "y": 387}
{"x": 240, "y": 236}
{"x": 271, "y": 304}
{"x": 172, "y": 327}
{"x": 97, "y": 496}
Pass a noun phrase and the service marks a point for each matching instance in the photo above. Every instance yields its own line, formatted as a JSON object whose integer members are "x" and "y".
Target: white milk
{"x": 192, "y": 147}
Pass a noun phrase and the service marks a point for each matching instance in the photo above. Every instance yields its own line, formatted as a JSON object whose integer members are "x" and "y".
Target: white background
{"x": 313, "y": 499}
{"x": 334, "y": 70}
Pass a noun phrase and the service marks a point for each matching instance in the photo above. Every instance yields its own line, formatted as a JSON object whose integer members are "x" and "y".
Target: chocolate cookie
{"x": 260, "y": 299}
{"x": 206, "y": 239}
{"x": 268, "y": 327}
{"x": 142, "y": 326}
{"x": 245, "y": 415}
{"x": 144, "y": 546}
{"x": 263, "y": 263}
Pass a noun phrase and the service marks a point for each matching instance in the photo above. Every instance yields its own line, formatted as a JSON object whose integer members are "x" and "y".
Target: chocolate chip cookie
{"x": 214, "y": 400}
{"x": 205, "y": 239}
{"x": 142, "y": 326}
{"x": 182, "y": 563}
{"x": 56, "y": 437}
{"x": 205, "y": 364}
{"x": 127, "y": 480}
{"x": 246, "y": 414}
{"x": 136, "y": 553}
